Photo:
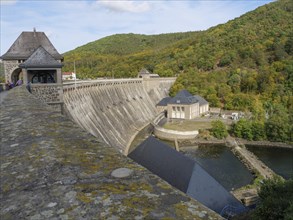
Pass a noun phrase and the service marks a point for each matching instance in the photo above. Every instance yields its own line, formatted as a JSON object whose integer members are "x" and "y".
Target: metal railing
{"x": 229, "y": 211}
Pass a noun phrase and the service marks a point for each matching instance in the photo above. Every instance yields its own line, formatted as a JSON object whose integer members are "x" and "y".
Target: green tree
{"x": 219, "y": 129}
{"x": 276, "y": 198}
{"x": 226, "y": 60}
{"x": 277, "y": 127}
{"x": 242, "y": 129}
{"x": 258, "y": 131}
{"x": 257, "y": 110}
{"x": 223, "y": 90}
{"x": 289, "y": 45}
{"x": 213, "y": 100}
{"x": 234, "y": 82}
{"x": 176, "y": 88}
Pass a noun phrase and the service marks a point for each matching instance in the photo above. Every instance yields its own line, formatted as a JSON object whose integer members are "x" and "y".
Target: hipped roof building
{"x": 184, "y": 105}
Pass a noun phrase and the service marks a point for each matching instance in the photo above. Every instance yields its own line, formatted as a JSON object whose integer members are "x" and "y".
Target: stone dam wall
{"x": 114, "y": 110}
{"x": 52, "y": 169}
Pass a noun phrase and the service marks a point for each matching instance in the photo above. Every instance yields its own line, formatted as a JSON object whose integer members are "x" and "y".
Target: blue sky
{"x": 70, "y": 24}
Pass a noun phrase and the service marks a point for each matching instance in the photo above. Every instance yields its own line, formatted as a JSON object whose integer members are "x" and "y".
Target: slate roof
{"x": 143, "y": 71}
{"x": 183, "y": 97}
{"x": 201, "y": 100}
{"x": 27, "y": 43}
{"x": 41, "y": 58}
{"x": 183, "y": 93}
{"x": 164, "y": 101}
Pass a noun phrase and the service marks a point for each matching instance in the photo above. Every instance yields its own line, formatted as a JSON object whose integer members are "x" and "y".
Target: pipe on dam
{"x": 114, "y": 110}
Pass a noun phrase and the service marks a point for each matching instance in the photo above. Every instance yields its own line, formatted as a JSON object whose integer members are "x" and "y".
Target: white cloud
{"x": 70, "y": 24}
{"x": 126, "y": 6}
{"x": 7, "y": 2}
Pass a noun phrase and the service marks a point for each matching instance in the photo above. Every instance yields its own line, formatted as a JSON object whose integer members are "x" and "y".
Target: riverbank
{"x": 201, "y": 138}
{"x": 265, "y": 143}
{"x": 200, "y": 141}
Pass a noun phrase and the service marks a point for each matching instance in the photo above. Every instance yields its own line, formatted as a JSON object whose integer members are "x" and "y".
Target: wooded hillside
{"x": 245, "y": 64}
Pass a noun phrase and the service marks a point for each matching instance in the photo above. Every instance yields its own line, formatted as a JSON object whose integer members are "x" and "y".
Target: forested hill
{"x": 255, "y": 39}
{"x": 245, "y": 64}
{"x": 125, "y": 44}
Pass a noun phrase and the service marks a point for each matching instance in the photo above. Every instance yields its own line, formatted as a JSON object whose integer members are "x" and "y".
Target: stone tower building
{"x": 34, "y": 59}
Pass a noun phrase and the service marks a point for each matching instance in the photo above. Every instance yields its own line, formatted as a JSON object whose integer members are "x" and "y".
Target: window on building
{"x": 43, "y": 78}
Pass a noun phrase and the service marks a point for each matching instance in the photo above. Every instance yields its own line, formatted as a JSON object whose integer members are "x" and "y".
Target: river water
{"x": 280, "y": 160}
{"x": 221, "y": 163}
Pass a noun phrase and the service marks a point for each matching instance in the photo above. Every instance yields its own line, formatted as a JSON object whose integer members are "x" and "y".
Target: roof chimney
{"x": 34, "y": 32}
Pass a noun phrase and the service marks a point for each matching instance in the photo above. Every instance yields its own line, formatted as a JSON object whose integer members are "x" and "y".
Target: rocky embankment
{"x": 265, "y": 143}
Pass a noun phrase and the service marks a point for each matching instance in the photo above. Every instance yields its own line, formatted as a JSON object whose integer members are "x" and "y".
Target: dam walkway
{"x": 52, "y": 169}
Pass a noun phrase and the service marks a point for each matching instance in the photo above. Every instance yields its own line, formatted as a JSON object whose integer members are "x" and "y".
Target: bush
{"x": 242, "y": 129}
{"x": 258, "y": 130}
{"x": 219, "y": 129}
{"x": 276, "y": 200}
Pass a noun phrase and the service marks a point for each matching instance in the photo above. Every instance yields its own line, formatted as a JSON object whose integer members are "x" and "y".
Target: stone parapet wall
{"x": 172, "y": 135}
{"x": 70, "y": 86}
{"x": 49, "y": 93}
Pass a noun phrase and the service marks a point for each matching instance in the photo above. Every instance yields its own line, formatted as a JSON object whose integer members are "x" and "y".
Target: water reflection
{"x": 220, "y": 162}
{"x": 280, "y": 160}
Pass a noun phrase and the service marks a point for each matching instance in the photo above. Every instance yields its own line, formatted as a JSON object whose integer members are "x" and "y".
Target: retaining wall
{"x": 167, "y": 134}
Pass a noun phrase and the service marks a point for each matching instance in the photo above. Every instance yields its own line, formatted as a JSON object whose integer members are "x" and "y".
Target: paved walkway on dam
{"x": 51, "y": 169}
{"x": 3, "y": 95}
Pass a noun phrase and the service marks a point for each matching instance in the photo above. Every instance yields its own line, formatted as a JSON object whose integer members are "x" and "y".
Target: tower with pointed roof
{"x": 34, "y": 59}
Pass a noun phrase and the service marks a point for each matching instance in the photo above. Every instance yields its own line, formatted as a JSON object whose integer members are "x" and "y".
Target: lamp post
{"x": 74, "y": 74}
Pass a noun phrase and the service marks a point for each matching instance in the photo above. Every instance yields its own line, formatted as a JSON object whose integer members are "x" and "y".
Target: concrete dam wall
{"x": 114, "y": 110}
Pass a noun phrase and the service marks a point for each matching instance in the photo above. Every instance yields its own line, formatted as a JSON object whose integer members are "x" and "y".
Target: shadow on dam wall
{"x": 114, "y": 110}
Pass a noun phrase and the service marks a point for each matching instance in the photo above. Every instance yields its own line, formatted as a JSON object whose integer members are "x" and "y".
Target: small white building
{"x": 144, "y": 73}
{"x": 184, "y": 105}
{"x": 68, "y": 76}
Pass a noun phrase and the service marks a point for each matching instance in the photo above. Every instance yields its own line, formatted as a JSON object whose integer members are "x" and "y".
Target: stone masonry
{"x": 51, "y": 169}
{"x": 48, "y": 93}
{"x": 9, "y": 67}
{"x": 51, "y": 94}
